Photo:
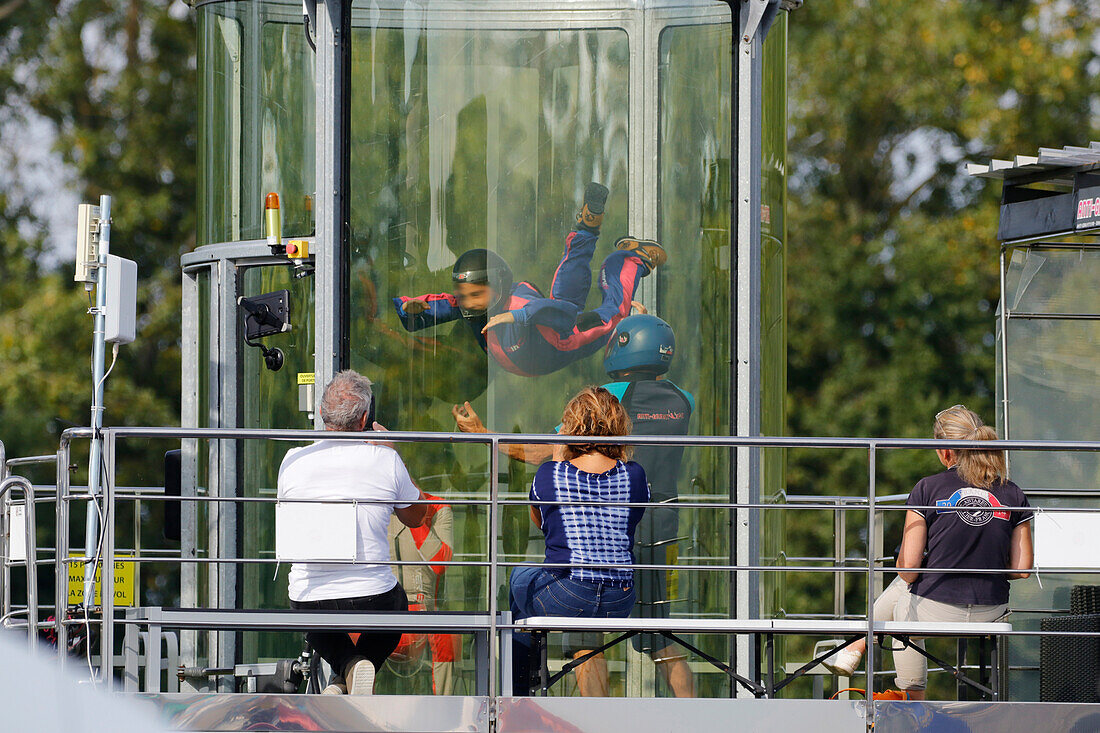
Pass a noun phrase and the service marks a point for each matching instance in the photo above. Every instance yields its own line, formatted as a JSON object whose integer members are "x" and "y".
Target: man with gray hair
{"x": 346, "y": 470}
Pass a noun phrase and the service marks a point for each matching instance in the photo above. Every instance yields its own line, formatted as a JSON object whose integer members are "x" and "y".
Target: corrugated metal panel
{"x": 1051, "y": 160}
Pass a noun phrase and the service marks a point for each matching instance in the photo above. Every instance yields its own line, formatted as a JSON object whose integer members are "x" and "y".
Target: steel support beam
{"x": 333, "y": 69}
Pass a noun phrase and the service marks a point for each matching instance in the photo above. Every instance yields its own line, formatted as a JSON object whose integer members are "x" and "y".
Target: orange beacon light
{"x": 273, "y": 220}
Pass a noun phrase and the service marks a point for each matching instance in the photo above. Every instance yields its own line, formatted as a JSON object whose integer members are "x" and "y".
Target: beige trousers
{"x": 892, "y": 598}
{"x": 912, "y": 666}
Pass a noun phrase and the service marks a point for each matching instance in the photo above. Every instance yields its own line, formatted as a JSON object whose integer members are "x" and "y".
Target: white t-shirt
{"x": 339, "y": 469}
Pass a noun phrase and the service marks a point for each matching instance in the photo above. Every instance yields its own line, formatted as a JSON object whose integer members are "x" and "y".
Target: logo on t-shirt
{"x": 670, "y": 415}
{"x": 982, "y": 506}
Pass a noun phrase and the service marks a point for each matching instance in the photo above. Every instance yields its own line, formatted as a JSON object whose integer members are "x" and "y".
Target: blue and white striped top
{"x": 590, "y": 535}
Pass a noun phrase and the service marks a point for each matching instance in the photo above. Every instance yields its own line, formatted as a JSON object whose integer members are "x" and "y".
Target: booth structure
{"x": 398, "y": 135}
{"x": 1048, "y": 378}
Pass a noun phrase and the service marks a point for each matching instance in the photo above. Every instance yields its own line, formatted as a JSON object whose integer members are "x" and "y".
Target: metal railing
{"x": 873, "y": 506}
{"x": 31, "y": 551}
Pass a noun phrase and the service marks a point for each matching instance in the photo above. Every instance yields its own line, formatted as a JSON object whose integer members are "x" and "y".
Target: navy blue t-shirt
{"x": 657, "y": 407}
{"x": 590, "y": 535}
{"x": 976, "y": 537}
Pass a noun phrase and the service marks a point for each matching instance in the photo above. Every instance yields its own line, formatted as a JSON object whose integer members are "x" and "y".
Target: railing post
{"x": 870, "y": 653}
{"x": 107, "y": 564}
{"x": 494, "y": 642}
{"x": 840, "y": 552}
{"x": 5, "y": 569}
{"x": 32, "y": 563}
{"x": 1006, "y": 435}
{"x": 61, "y": 552}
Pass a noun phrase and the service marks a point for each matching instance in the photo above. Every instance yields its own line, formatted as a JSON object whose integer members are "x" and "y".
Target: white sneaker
{"x": 360, "y": 677}
{"x": 336, "y": 687}
{"x": 844, "y": 662}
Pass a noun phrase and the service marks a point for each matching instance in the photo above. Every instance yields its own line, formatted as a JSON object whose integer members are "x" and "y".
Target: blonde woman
{"x": 969, "y": 529}
{"x": 983, "y": 536}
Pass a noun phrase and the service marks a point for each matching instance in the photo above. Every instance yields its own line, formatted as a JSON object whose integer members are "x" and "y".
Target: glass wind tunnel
{"x": 415, "y": 132}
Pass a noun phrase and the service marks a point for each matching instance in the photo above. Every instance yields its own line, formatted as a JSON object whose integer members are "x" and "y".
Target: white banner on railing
{"x": 314, "y": 532}
{"x": 17, "y": 532}
{"x": 1067, "y": 539}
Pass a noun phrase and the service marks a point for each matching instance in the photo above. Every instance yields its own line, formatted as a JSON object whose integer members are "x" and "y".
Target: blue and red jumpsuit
{"x": 545, "y": 336}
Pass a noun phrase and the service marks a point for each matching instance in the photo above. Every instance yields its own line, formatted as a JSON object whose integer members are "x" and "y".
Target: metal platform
{"x": 598, "y": 715}
{"x": 514, "y": 714}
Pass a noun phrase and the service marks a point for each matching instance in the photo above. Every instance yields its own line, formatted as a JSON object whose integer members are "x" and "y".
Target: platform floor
{"x": 208, "y": 712}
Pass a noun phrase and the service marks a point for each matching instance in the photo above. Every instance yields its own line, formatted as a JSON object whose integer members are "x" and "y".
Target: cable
{"x": 99, "y": 540}
{"x": 95, "y": 564}
{"x": 309, "y": 37}
{"x": 114, "y": 358}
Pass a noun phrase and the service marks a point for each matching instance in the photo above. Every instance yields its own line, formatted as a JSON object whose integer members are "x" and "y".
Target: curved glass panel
{"x": 269, "y": 399}
{"x": 694, "y": 79}
{"x": 773, "y": 310}
{"x": 256, "y": 119}
{"x": 466, "y": 139}
{"x": 1053, "y": 383}
{"x": 481, "y": 129}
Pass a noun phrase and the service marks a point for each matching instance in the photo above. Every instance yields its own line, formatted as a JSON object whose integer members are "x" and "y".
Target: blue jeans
{"x": 543, "y": 592}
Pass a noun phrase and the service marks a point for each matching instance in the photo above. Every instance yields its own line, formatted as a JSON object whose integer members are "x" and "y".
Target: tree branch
{"x": 10, "y": 7}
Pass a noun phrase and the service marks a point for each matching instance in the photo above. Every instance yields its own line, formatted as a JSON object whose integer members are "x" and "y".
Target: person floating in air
{"x": 526, "y": 332}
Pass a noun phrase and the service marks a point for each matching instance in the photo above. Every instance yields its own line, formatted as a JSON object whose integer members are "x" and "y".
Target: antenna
{"x": 114, "y": 320}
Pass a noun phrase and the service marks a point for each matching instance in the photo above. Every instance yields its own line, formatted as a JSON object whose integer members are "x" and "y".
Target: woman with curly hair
{"x": 578, "y": 503}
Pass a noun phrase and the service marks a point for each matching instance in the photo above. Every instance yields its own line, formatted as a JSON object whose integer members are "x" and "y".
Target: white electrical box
{"x": 87, "y": 243}
{"x": 120, "y": 318}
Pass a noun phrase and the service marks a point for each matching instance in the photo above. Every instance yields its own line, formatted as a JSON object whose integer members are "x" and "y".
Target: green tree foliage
{"x": 892, "y": 276}
{"x": 114, "y": 84}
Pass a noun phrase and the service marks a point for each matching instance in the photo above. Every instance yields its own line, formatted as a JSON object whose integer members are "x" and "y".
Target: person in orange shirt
{"x": 432, "y": 541}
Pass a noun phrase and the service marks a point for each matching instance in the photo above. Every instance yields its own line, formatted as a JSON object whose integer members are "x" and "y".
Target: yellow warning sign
{"x": 125, "y": 582}
{"x": 306, "y": 378}
{"x": 672, "y": 580}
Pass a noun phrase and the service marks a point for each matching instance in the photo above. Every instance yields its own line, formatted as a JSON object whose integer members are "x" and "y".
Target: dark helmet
{"x": 641, "y": 343}
{"x": 485, "y": 268}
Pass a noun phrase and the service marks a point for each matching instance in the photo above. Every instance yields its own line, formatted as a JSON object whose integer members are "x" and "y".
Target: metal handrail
{"x": 31, "y": 460}
{"x": 497, "y": 439}
{"x": 870, "y": 503}
{"x": 20, "y": 483}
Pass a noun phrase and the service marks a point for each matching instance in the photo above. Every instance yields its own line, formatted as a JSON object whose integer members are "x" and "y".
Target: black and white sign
{"x": 1088, "y": 208}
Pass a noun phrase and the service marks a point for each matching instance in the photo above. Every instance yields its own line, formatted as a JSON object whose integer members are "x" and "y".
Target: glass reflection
{"x": 465, "y": 140}
{"x": 485, "y": 139}
{"x": 256, "y": 120}
{"x": 269, "y": 399}
{"x": 695, "y": 297}
{"x": 1052, "y": 380}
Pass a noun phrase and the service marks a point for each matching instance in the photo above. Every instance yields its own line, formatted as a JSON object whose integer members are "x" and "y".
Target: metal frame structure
{"x": 1041, "y": 201}
{"x": 1045, "y": 205}
{"x": 333, "y": 21}
{"x": 494, "y": 625}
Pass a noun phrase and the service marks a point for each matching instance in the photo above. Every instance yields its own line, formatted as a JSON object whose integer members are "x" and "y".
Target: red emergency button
{"x": 297, "y": 249}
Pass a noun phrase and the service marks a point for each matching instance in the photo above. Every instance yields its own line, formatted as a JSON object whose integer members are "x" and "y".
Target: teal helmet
{"x": 641, "y": 343}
